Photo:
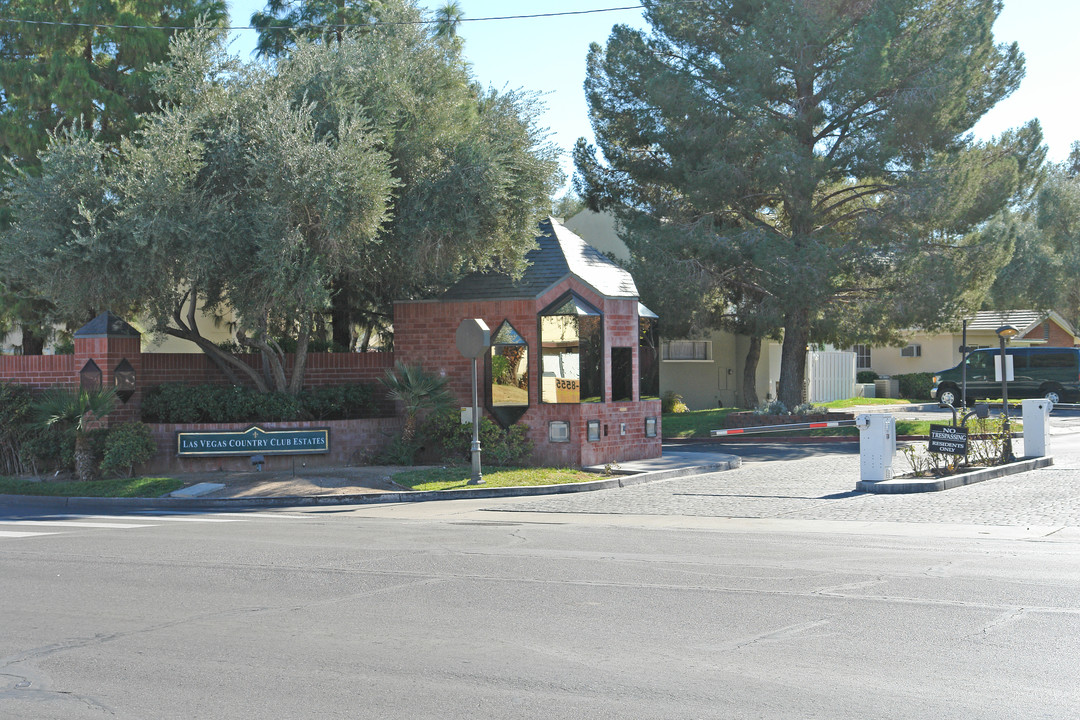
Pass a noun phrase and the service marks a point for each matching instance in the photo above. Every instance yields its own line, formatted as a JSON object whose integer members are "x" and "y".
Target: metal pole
{"x": 477, "y": 476}
{"x": 963, "y": 369}
{"x": 1006, "y": 448}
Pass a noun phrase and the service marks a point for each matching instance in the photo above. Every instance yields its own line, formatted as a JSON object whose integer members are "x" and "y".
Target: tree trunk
{"x": 341, "y": 324}
{"x": 749, "y": 398}
{"x": 84, "y": 459}
{"x": 793, "y": 358}
{"x": 33, "y": 341}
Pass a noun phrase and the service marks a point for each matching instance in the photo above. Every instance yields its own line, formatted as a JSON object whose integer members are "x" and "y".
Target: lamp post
{"x": 1005, "y": 333}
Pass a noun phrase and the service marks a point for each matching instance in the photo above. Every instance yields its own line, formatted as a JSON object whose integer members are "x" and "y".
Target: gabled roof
{"x": 559, "y": 254}
{"x": 1023, "y": 320}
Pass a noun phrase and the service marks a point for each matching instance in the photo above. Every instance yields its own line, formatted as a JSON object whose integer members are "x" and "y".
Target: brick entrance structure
{"x": 566, "y": 279}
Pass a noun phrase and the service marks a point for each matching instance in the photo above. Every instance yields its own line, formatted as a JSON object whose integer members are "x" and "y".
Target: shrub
{"x": 672, "y": 402}
{"x": 126, "y": 446}
{"x": 451, "y": 438}
{"x": 340, "y": 402}
{"x": 865, "y": 376}
{"x": 809, "y": 409}
{"x": 915, "y": 386}
{"x": 772, "y": 407}
{"x": 22, "y": 441}
{"x": 177, "y": 403}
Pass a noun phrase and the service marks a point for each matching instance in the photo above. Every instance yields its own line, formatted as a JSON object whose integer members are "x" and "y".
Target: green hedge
{"x": 177, "y": 403}
{"x": 447, "y": 437}
{"x": 915, "y": 386}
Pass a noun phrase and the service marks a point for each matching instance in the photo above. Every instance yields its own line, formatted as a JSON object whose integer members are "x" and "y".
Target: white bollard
{"x": 1036, "y": 426}
{"x": 877, "y": 445}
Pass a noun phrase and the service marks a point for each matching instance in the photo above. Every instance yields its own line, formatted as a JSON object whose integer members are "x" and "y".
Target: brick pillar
{"x": 107, "y": 341}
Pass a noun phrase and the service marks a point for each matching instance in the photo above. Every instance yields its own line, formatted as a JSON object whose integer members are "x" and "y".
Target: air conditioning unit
{"x": 911, "y": 351}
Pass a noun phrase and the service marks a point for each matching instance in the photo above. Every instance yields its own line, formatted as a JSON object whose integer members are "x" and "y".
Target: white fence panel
{"x": 830, "y": 375}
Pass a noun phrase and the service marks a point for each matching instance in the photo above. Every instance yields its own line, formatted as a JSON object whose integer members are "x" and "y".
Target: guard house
{"x": 574, "y": 355}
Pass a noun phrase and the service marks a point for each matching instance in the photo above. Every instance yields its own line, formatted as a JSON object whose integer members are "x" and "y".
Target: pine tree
{"x": 815, "y": 156}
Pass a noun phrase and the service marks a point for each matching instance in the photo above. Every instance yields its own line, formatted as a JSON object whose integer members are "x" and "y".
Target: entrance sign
{"x": 253, "y": 441}
{"x": 948, "y": 439}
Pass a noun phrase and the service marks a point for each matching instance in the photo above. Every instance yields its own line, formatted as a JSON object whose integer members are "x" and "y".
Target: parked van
{"x": 1039, "y": 372}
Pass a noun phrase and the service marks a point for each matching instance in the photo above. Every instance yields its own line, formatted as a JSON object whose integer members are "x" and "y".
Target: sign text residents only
{"x": 948, "y": 439}
{"x": 253, "y": 441}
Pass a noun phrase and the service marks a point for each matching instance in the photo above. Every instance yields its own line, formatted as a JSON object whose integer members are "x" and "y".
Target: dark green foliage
{"x": 126, "y": 446}
{"x": 450, "y": 440}
{"x": 915, "y": 386}
{"x": 810, "y": 164}
{"x": 399, "y": 451}
{"x": 865, "y": 376}
{"x": 340, "y": 402}
{"x": 177, "y": 403}
{"x": 21, "y": 439}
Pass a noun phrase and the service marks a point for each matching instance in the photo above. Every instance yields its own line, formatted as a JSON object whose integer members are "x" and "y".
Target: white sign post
{"x": 473, "y": 340}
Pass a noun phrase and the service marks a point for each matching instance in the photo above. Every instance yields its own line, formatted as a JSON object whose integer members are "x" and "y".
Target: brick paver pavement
{"x": 822, "y": 488}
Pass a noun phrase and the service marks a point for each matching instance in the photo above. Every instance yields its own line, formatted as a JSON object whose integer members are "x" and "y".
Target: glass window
{"x": 687, "y": 350}
{"x": 509, "y": 375}
{"x": 862, "y": 356}
{"x": 622, "y": 374}
{"x": 648, "y": 354}
{"x": 571, "y": 352}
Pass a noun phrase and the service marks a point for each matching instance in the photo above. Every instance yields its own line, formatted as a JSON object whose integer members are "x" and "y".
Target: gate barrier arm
{"x": 783, "y": 428}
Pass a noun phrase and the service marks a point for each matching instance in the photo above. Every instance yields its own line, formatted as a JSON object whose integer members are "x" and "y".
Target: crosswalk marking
{"x": 163, "y": 518}
{"x": 15, "y": 534}
{"x": 72, "y": 523}
{"x": 157, "y": 514}
{"x": 143, "y": 519}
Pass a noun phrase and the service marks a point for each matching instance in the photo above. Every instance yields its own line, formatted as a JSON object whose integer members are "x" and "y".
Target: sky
{"x": 547, "y": 55}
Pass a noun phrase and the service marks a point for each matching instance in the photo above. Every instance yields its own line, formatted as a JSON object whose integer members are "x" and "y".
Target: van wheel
{"x": 948, "y": 395}
{"x": 1051, "y": 393}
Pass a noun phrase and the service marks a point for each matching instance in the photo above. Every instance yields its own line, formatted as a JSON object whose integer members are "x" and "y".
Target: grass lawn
{"x": 855, "y": 402}
{"x": 118, "y": 487}
{"x": 451, "y": 478}
{"x": 694, "y": 424}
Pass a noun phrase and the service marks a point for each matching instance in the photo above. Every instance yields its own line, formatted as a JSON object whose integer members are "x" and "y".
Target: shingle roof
{"x": 559, "y": 254}
{"x": 106, "y": 325}
{"x": 1023, "y": 320}
{"x": 993, "y": 319}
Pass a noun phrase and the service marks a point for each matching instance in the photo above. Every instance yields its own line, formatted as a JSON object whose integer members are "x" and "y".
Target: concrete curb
{"x": 173, "y": 503}
{"x": 917, "y": 485}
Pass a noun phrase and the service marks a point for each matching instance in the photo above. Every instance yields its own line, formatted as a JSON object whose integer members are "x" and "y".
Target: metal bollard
{"x": 1036, "y": 426}
{"x": 877, "y": 446}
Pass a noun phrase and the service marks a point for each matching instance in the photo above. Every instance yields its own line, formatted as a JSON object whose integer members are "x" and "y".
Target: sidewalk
{"x": 374, "y": 484}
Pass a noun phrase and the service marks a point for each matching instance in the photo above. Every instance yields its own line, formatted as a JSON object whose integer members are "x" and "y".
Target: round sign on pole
{"x": 473, "y": 337}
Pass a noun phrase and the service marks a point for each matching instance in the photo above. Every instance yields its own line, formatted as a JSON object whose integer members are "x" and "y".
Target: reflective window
{"x": 509, "y": 375}
{"x": 648, "y": 354}
{"x": 622, "y": 374}
{"x": 571, "y": 352}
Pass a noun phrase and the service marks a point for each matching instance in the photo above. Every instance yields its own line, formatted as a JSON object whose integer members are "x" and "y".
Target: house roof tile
{"x": 559, "y": 254}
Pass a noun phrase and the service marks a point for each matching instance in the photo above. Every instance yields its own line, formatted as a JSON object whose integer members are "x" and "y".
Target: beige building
{"x": 933, "y": 352}
{"x": 706, "y": 371}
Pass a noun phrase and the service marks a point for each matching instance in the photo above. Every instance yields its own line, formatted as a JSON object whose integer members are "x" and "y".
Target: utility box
{"x": 887, "y": 387}
{"x": 1036, "y": 426}
{"x": 877, "y": 446}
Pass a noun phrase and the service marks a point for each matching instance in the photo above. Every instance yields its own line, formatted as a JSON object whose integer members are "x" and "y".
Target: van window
{"x": 980, "y": 363}
{"x": 1053, "y": 359}
{"x": 1020, "y": 359}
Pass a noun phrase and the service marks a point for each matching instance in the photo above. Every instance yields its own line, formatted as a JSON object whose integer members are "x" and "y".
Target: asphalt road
{"x": 779, "y": 598}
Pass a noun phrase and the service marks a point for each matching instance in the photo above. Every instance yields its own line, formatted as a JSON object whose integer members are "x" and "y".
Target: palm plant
{"x": 417, "y": 390}
{"x": 76, "y": 410}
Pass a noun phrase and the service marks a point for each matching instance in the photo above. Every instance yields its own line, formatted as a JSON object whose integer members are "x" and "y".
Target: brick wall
{"x": 1059, "y": 336}
{"x": 352, "y": 442}
{"x": 39, "y": 371}
{"x": 425, "y": 334}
